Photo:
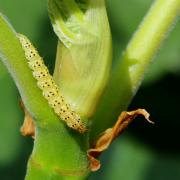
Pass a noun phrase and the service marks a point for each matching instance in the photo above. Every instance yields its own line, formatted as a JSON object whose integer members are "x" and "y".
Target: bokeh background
{"x": 143, "y": 152}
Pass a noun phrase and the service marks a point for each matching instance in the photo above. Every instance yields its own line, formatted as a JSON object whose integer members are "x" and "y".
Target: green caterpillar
{"x": 49, "y": 88}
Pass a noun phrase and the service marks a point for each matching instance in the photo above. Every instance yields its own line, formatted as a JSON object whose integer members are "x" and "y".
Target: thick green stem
{"x": 58, "y": 154}
{"x": 128, "y": 73}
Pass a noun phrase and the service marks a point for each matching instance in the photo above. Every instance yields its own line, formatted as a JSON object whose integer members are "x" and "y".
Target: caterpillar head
{"x": 24, "y": 41}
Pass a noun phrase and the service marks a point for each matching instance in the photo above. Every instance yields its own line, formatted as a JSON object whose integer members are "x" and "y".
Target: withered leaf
{"x": 110, "y": 134}
{"x": 28, "y": 127}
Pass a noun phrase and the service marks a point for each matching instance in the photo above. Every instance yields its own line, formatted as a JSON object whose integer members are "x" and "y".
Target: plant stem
{"x": 129, "y": 71}
{"x": 59, "y": 152}
{"x": 14, "y": 58}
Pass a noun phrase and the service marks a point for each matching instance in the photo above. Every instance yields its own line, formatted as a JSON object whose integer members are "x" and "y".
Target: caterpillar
{"x": 49, "y": 88}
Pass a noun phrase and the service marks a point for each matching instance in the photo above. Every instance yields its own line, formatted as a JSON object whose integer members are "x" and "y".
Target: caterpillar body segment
{"x": 35, "y": 64}
{"x": 49, "y": 88}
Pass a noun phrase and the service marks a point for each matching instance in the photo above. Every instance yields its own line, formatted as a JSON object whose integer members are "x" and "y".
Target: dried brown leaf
{"x": 110, "y": 134}
{"x": 28, "y": 127}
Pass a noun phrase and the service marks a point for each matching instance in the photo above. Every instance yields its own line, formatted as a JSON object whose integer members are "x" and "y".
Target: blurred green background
{"x": 143, "y": 152}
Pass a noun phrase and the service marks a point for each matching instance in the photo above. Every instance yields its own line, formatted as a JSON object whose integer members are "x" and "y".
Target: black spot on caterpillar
{"x": 49, "y": 88}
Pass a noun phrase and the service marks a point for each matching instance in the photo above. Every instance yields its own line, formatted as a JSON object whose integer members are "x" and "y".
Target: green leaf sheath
{"x": 83, "y": 60}
{"x": 59, "y": 153}
{"x": 129, "y": 71}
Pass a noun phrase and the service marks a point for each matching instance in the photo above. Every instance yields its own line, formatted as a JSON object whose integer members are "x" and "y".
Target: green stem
{"x": 128, "y": 73}
{"x": 59, "y": 152}
{"x": 14, "y": 58}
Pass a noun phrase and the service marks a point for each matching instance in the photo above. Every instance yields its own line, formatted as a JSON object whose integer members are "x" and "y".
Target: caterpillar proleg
{"x": 49, "y": 88}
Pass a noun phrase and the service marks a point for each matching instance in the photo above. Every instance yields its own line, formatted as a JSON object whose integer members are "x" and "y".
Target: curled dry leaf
{"x": 110, "y": 134}
{"x": 28, "y": 127}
